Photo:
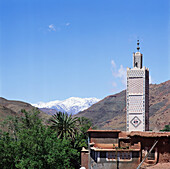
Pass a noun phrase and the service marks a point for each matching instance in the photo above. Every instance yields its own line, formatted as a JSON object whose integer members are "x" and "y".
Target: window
{"x": 121, "y": 156}
{"x": 111, "y": 155}
{"x": 151, "y": 156}
{"x": 95, "y": 155}
{"x": 136, "y": 64}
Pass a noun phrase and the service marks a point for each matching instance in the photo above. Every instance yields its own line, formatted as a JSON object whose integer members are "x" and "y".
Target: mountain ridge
{"x": 110, "y": 112}
{"x": 13, "y": 108}
{"x": 72, "y": 105}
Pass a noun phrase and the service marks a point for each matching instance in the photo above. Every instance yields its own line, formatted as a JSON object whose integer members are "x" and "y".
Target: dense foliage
{"x": 166, "y": 128}
{"x": 64, "y": 124}
{"x": 30, "y": 143}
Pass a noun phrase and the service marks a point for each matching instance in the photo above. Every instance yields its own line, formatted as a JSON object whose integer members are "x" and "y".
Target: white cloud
{"x": 151, "y": 80}
{"x": 118, "y": 73}
{"x": 113, "y": 64}
{"x": 114, "y": 84}
{"x": 58, "y": 28}
{"x": 51, "y": 27}
{"x": 68, "y": 23}
{"x": 122, "y": 74}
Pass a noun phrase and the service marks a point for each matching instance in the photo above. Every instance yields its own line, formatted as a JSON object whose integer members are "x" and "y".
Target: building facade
{"x": 108, "y": 149}
{"x": 137, "y": 95}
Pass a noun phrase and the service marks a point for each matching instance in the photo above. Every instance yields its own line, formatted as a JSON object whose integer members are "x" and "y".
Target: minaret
{"x": 137, "y": 95}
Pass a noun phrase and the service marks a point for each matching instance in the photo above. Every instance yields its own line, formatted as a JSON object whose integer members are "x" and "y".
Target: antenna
{"x": 138, "y": 45}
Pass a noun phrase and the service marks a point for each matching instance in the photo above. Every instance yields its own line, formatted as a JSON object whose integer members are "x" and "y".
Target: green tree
{"x": 35, "y": 145}
{"x": 82, "y": 137}
{"x": 65, "y": 125}
{"x": 166, "y": 128}
{"x": 74, "y": 129}
{"x": 7, "y": 151}
{"x": 84, "y": 124}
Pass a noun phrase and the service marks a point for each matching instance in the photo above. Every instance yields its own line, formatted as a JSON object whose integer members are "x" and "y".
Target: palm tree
{"x": 64, "y": 124}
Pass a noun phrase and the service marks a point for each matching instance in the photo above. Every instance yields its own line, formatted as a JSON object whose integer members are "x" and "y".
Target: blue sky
{"x": 57, "y": 49}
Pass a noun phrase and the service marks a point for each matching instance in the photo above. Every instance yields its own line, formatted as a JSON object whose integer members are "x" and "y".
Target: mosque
{"x": 137, "y": 95}
{"x": 137, "y": 146}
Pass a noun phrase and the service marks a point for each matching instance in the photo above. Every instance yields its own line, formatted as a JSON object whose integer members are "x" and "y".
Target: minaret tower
{"x": 137, "y": 95}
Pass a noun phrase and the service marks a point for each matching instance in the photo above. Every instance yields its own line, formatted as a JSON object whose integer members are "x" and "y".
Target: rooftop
{"x": 149, "y": 134}
{"x": 90, "y": 130}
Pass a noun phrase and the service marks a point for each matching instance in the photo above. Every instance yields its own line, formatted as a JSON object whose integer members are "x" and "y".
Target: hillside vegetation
{"x": 13, "y": 108}
{"x": 29, "y": 143}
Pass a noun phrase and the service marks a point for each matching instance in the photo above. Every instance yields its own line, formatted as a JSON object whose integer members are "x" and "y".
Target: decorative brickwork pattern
{"x": 135, "y": 85}
{"x": 135, "y": 73}
{"x": 135, "y": 104}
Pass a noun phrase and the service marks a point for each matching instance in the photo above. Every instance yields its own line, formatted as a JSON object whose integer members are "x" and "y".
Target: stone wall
{"x": 108, "y": 138}
{"x": 84, "y": 159}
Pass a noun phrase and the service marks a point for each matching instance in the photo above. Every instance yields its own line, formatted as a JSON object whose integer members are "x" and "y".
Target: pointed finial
{"x": 138, "y": 45}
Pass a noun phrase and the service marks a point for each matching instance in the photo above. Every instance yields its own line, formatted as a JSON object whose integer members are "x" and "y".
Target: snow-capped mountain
{"x": 72, "y": 105}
